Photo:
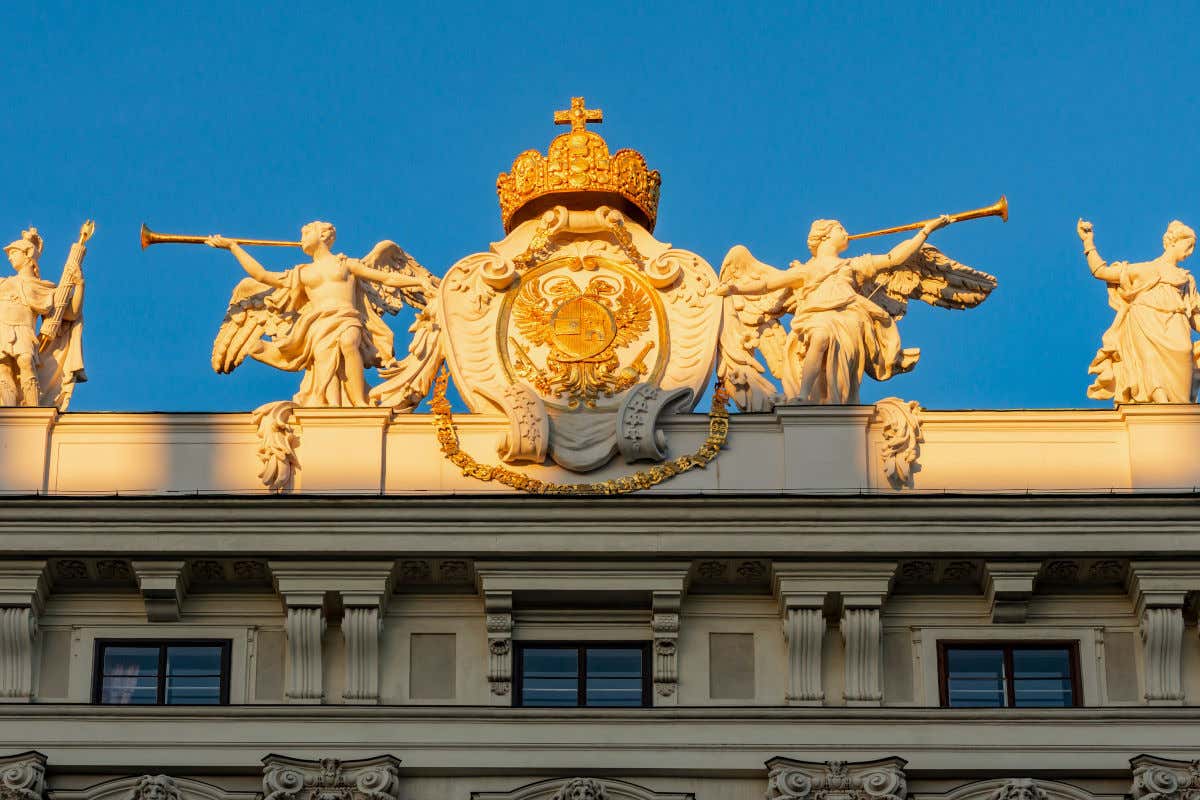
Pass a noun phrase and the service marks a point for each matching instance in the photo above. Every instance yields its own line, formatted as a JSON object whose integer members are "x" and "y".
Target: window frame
{"x": 161, "y": 688}
{"x": 1007, "y": 646}
{"x": 581, "y": 648}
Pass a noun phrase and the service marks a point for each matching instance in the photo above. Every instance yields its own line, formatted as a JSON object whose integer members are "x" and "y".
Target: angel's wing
{"x": 390, "y": 257}
{"x": 632, "y": 315}
{"x": 531, "y": 312}
{"x": 248, "y": 319}
{"x": 750, "y": 322}
{"x": 929, "y": 275}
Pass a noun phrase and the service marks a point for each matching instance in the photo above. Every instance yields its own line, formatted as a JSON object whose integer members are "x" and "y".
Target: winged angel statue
{"x": 325, "y": 317}
{"x": 844, "y": 314}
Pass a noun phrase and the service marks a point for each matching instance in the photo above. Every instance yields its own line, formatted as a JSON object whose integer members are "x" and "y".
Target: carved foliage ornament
{"x": 581, "y": 788}
{"x": 836, "y": 780}
{"x": 1165, "y": 779}
{"x": 23, "y": 776}
{"x": 331, "y": 779}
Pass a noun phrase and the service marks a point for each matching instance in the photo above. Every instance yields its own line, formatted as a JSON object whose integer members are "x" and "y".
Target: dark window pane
{"x": 614, "y": 677}
{"x": 194, "y": 690}
{"x": 130, "y": 661}
{"x": 975, "y": 678}
{"x": 1042, "y": 677}
{"x": 129, "y": 690}
{"x": 614, "y": 663}
{"x": 550, "y": 676}
{"x": 193, "y": 661}
{"x": 1054, "y": 663}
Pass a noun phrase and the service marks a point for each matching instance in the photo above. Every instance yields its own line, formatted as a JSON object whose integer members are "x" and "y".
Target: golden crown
{"x": 578, "y": 171}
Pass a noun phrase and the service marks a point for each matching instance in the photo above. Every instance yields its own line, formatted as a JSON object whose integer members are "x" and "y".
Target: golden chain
{"x": 443, "y": 420}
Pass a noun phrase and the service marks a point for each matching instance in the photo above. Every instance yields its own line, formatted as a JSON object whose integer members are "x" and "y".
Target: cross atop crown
{"x": 578, "y": 116}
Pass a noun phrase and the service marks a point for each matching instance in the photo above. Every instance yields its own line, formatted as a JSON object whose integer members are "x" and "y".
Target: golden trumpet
{"x": 996, "y": 209}
{"x": 150, "y": 237}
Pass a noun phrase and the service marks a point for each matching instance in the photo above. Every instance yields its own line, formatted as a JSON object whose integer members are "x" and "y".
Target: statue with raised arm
{"x": 323, "y": 318}
{"x": 41, "y": 367}
{"x": 1147, "y": 355}
{"x": 844, "y": 313}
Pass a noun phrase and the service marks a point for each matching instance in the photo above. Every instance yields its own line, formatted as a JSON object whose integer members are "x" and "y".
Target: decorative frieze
{"x": 331, "y": 779}
{"x": 1165, "y": 778}
{"x": 23, "y": 593}
{"x": 163, "y": 585}
{"x": 581, "y": 789}
{"x": 664, "y": 625}
{"x": 883, "y": 779}
{"x": 23, "y": 776}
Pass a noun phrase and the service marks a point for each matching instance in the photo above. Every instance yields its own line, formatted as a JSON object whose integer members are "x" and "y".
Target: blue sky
{"x": 392, "y": 120}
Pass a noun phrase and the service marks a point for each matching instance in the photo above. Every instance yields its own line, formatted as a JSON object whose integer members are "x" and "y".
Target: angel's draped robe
{"x": 313, "y": 343}
{"x": 1147, "y": 354}
{"x": 861, "y": 337}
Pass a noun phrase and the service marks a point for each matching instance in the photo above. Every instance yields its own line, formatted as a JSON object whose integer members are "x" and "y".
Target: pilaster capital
{"x": 24, "y": 584}
{"x": 1007, "y": 588}
{"x": 882, "y": 779}
{"x": 375, "y": 778}
{"x": 1157, "y": 778}
{"x": 163, "y": 585}
{"x": 805, "y": 584}
{"x": 23, "y": 776}
{"x": 1162, "y": 584}
{"x": 360, "y": 583}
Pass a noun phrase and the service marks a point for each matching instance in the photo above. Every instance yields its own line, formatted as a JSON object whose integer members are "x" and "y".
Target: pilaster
{"x": 23, "y": 591}
{"x": 499, "y": 621}
{"x": 1159, "y": 590}
{"x": 24, "y": 448}
{"x": 664, "y": 625}
{"x": 364, "y": 588}
{"x": 23, "y": 776}
{"x": 1008, "y": 586}
{"x": 163, "y": 585}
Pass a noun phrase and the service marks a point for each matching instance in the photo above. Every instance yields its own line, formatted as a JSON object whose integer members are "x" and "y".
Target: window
{"x": 574, "y": 675}
{"x": 140, "y": 672}
{"x": 1009, "y": 674}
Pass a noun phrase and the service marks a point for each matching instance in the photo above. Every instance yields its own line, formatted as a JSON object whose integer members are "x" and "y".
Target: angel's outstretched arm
{"x": 393, "y": 279}
{"x": 252, "y": 267}
{"x": 867, "y": 266}
{"x": 1099, "y": 267}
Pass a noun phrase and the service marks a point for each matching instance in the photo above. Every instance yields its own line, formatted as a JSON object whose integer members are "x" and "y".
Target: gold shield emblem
{"x": 582, "y": 328}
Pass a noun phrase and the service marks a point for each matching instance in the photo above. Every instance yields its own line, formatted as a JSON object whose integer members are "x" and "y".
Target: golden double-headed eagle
{"x": 584, "y": 329}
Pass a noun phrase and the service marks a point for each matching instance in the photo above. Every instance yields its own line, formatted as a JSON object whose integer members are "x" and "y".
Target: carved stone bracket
{"x": 1159, "y": 590}
{"x": 163, "y": 585}
{"x": 23, "y": 776}
{"x": 150, "y": 787}
{"x": 882, "y": 779}
{"x": 900, "y": 422}
{"x": 23, "y": 590}
{"x": 375, "y": 778}
{"x": 664, "y": 624}
{"x": 1157, "y": 778}
{"x": 499, "y": 621}
{"x": 1008, "y": 588}
{"x": 581, "y": 789}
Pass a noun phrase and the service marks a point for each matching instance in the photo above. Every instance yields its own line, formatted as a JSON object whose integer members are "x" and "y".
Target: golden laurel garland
{"x": 443, "y": 420}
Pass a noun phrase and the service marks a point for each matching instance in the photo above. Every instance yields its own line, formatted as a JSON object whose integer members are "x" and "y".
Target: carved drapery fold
{"x": 882, "y": 779}
{"x": 23, "y": 776}
{"x": 863, "y": 636}
{"x": 1165, "y": 778}
{"x": 804, "y": 630}
{"x": 331, "y": 779}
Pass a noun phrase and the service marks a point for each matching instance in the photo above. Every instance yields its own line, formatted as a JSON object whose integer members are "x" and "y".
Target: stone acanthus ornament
{"x": 1148, "y": 354}
{"x": 1021, "y": 789}
{"x": 23, "y": 776}
{"x": 836, "y": 780}
{"x": 41, "y": 367}
{"x": 844, "y": 314}
{"x": 331, "y": 779}
{"x": 277, "y": 443}
{"x": 1165, "y": 779}
{"x": 581, "y": 788}
{"x": 901, "y": 426}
